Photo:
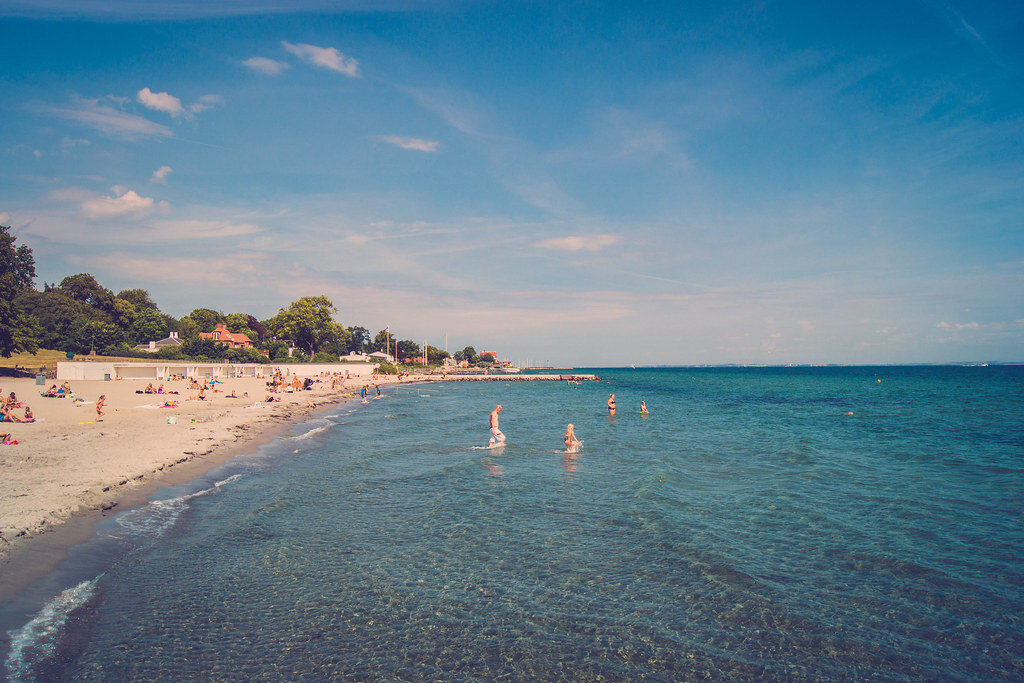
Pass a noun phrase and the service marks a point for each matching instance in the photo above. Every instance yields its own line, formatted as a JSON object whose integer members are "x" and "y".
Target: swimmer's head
{"x": 498, "y": 408}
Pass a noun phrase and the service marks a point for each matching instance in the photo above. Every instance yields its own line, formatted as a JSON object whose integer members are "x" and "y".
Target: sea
{"x": 809, "y": 523}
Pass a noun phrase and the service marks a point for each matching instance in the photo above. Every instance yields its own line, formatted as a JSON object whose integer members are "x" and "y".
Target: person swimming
{"x": 643, "y": 408}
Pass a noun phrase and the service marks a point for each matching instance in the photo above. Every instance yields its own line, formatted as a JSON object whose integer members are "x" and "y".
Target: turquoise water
{"x": 749, "y": 528}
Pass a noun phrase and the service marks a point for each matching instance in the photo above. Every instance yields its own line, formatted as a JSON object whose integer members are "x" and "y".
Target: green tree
{"x": 308, "y": 322}
{"x": 383, "y": 341}
{"x": 94, "y": 335}
{"x": 408, "y": 349}
{"x": 204, "y": 349}
{"x": 206, "y": 319}
{"x": 468, "y": 353}
{"x": 149, "y": 325}
{"x": 57, "y": 314}
{"x": 187, "y": 329}
{"x": 139, "y": 298}
{"x": 84, "y": 287}
{"x": 19, "y": 331}
{"x": 238, "y": 323}
{"x": 436, "y": 356}
{"x": 359, "y": 340}
{"x": 124, "y": 313}
{"x": 247, "y": 355}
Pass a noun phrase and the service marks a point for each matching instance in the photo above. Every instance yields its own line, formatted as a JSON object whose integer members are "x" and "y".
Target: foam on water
{"x": 34, "y": 642}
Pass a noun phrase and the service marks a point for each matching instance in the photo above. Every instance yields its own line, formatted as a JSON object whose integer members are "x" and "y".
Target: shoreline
{"x": 78, "y": 473}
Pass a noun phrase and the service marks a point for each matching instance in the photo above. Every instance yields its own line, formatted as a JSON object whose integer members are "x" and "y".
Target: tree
{"x": 94, "y": 335}
{"x": 468, "y": 353}
{"x": 407, "y": 349}
{"x": 124, "y": 313}
{"x": 84, "y": 287}
{"x": 308, "y": 322}
{"x": 58, "y": 315}
{"x": 206, "y": 319}
{"x": 384, "y": 341}
{"x": 436, "y": 356}
{"x": 149, "y": 325}
{"x": 139, "y": 298}
{"x": 204, "y": 349}
{"x": 238, "y": 323}
{"x": 359, "y": 340}
{"x": 187, "y": 329}
{"x": 18, "y": 330}
{"x": 257, "y": 327}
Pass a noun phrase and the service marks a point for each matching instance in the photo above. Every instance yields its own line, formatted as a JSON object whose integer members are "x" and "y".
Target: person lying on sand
{"x": 51, "y": 392}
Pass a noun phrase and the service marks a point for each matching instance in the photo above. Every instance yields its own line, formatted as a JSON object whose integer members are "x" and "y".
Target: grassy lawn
{"x": 48, "y": 358}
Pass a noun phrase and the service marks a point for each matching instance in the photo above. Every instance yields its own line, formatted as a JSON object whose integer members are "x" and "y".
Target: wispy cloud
{"x": 160, "y": 175}
{"x": 126, "y": 204}
{"x": 109, "y": 120}
{"x": 167, "y": 103}
{"x": 267, "y": 66}
{"x": 591, "y": 243}
{"x": 418, "y": 144}
{"x": 324, "y": 57}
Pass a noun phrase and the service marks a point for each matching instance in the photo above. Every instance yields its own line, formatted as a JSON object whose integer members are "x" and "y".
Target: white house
{"x": 154, "y": 346}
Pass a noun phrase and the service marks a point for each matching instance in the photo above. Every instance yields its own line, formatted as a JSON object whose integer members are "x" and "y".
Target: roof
{"x": 221, "y": 334}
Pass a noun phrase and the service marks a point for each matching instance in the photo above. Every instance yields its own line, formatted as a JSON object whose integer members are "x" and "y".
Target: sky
{"x": 568, "y": 183}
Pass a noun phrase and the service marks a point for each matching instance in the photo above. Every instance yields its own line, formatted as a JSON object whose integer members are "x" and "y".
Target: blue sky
{"x": 581, "y": 183}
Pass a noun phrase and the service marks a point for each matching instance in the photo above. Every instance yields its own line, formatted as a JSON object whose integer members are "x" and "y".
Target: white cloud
{"x": 958, "y": 326}
{"x": 124, "y": 205}
{"x": 107, "y": 119}
{"x": 5, "y": 218}
{"x": 161, "y": 101}
{"x": 591, "y": 243}
{"x": 204, "y": 103}
{"x": 269, "y": 67}
{"x": 199, "y": 229}
{"x": 325, "y": 57}
{"x": 160, "y": 175}
{"x": 165, "y": 102}
{"x": 412, "y": 143}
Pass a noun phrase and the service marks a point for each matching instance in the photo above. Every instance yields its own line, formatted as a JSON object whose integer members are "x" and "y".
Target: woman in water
{"x": 571, "y": 442}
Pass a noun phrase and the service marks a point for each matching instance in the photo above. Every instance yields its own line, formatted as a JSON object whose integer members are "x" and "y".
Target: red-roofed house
{"x": 221, "y": 335}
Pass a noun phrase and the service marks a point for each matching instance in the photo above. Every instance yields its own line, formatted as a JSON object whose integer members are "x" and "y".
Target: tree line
{"x": 81, "y": 316}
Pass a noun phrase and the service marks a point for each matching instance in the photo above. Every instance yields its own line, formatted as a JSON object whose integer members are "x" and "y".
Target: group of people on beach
{"x": 9, "y": 405}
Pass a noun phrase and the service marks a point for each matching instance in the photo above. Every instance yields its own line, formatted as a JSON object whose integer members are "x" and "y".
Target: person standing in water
{"x": 643, "y": 408}
{"x": 611, "y": 405}
{"x": 497, "y": 438}
{"x": 570, "y": 440}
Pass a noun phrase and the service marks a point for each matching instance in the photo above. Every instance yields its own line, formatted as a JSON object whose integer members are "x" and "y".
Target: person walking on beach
{"x": 99, "y": 407}
{"x": 497, "y": 438}
{"x": 570, "y": 440}
{"x": 611, "y": 405}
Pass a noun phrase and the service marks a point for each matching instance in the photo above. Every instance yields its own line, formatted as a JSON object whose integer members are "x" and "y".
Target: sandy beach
{"x": 69, "y": 468}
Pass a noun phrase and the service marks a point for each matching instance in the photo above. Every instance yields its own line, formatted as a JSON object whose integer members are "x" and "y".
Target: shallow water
{"x": 748, "y": 528}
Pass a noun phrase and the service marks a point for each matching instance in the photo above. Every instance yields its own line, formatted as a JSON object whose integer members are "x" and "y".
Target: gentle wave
{"x": 37, "y": 640}
{"x": 153, "y": 520}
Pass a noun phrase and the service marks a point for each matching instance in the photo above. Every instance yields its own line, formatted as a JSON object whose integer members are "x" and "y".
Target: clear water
{"x": 748, "y": 528}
